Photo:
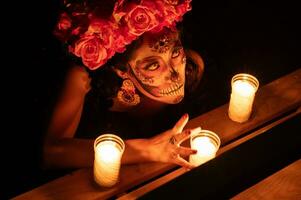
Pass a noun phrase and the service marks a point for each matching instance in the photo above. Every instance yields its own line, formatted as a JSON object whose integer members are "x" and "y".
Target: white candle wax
{"x": 107, "y": 163}
{"x": 241, "y": 101}
{"x": 206, "y": 150}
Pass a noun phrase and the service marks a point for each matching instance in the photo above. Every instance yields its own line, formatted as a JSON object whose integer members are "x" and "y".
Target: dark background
{"x": 258, "y": 37}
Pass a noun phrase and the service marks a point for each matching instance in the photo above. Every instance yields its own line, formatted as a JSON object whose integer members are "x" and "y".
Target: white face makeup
{"x": 157, "y": 68}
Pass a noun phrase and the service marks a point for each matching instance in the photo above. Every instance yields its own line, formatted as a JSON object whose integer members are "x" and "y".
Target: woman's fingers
{"x": 179, "y": 138}
{"x": 185, "y": 151}
{"x": 182, "y": 162}
{"x": 178, "y": 128}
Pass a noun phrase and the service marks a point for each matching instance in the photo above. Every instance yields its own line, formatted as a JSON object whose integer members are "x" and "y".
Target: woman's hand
{"x": 166, "y": 146}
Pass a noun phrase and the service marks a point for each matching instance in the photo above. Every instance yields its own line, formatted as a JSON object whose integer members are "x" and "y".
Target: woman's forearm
{"x": 136, "y": 150}
{"x": 68, "y": 153}
{"x": 77, "y": 153}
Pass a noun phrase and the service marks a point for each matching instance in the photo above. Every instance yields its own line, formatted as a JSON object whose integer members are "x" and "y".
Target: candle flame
{"x": 204, "y": 146}
{"x": 107, "y": 151}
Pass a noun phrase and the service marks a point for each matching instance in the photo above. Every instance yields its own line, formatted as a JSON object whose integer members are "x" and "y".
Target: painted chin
{"x": 178, "y": 99}
{"x": 171, "y": 95}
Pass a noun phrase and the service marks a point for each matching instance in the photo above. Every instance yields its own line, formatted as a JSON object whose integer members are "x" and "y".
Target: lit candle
{"x": 108, "y": 150}
{"x": 206, "y": 143}
{"x": 244, "y": 87}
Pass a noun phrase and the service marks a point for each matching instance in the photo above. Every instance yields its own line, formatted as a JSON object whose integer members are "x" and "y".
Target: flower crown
{"x": 97, "y": 39}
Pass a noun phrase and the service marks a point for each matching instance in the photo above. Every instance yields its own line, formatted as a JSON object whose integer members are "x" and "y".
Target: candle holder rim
{"x": 245, "y": 76}
{"x": 212, "y": 135}
{"x": 110, "y": 137}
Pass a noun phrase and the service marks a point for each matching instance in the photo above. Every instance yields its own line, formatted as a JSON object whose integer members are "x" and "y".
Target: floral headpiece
{"x": 97, "y": 39}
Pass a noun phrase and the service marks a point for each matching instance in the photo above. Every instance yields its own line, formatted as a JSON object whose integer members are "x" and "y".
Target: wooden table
{"x": 239, "y": 165}
{"x": 281, "y": 97}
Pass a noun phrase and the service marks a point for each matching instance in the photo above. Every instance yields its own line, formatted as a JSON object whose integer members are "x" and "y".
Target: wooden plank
{"x": 271, "y": 101}
{"x": 135, "y": 194}
{"x": 284, "y": 184}
{"x": 80, "y": 184}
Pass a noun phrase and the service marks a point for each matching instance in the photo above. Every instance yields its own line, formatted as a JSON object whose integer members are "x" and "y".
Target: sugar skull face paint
{"x": 157, "y": 67}
{"x": 161, "y": 44}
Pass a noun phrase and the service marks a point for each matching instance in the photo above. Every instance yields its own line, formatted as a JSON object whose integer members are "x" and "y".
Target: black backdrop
{"x": 259, "y": 37}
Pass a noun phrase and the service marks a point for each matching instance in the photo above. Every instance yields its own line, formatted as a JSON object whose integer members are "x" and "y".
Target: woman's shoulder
{"x": 77, "y": 71}
{"x": 78, "y": 78}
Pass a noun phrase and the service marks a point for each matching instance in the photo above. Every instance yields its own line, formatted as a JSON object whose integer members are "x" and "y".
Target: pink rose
{"x": 140, "y": 19}
{"x": 92, "y": 52}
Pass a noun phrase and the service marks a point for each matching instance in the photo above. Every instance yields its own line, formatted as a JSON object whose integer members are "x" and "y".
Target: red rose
{"x": 104, "y": 29}
{"x": 183, "y": 8}
{"x": 105, "y": 37}
{"x": 76, "y": 31}
{"x": 172, "y": 2}
{"x": 119, "y": 43}
{"x": 140, "y": 19}
{"x": 64, "y": 22}
{"x": 92, "y": 52}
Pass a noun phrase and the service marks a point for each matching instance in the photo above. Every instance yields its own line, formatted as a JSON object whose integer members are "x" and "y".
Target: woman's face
{"x": 157, "y": 68}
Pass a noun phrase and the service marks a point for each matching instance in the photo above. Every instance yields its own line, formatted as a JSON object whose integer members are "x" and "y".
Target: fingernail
{"x": 198, "y": 129}
{"x": 185, "y": 115}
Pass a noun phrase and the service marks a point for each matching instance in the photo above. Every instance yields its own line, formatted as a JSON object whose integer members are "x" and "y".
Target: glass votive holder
{"x": 244, "y": 87}
{"x": 108, "y": 150}
{"x": 206, "y": 143}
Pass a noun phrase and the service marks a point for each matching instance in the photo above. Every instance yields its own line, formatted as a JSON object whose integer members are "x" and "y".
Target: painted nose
{"x": 174, "y": 76}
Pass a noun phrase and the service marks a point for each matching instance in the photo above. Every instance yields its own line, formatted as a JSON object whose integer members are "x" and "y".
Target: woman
{"x": 141, "y": 75}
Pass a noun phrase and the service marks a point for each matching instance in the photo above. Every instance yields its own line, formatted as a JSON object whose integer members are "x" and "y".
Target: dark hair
{"x": 194, "y": 71}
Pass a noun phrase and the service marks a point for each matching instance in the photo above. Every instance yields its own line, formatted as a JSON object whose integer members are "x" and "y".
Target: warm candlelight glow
{"x": 244, "y": 87}
{"x": 108, "y": 151}
{"x": 206, "y": 143}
